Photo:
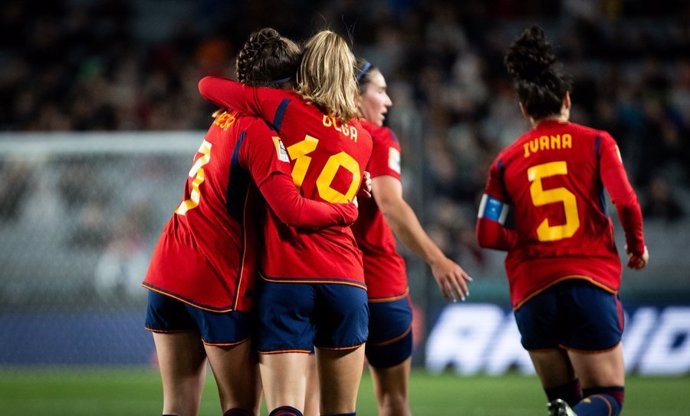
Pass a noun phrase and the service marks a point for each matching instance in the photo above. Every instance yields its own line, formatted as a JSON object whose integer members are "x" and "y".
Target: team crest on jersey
{"x": 281, "y": 152}
{"x": 394, "y": 159}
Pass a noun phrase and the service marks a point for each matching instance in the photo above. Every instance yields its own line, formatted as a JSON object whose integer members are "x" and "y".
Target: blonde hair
{"x": 327, "y": 77}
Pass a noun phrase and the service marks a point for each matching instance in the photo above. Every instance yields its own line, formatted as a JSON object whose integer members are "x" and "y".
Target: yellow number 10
{"x": 299, "y": 152}
{"x": 546, "y": 232}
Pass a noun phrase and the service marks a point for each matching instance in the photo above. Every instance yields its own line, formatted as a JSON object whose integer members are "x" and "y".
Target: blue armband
{"x": 493, "y": 209}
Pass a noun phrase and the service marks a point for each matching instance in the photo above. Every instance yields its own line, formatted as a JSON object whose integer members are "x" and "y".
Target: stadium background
{"x": 100, "y": 117}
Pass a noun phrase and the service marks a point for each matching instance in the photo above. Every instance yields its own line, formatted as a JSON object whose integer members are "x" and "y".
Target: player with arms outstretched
{"x": 312, "y": 291}
{"x": 563, "y": 268}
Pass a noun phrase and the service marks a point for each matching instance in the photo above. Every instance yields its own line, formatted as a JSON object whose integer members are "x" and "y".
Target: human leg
{"x": 313, "y": 396}
{"x": 603, "y": 381}
{"x": 285, "y": 339}
{"x": 391, "y": 388}
{"x": 284, "y": 379}
{"x": 595, "y": 350}
{"x": 182, "y": 364}
{"x": 557, "y": 375}
{"x": 235, "y": 369}
{"x": 180, "y": 353}
{"x": 389, "y": 351}
{"x": 340, "y": 372}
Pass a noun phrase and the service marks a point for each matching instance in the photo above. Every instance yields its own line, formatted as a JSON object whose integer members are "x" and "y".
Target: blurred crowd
{"x": 114, "y": 65}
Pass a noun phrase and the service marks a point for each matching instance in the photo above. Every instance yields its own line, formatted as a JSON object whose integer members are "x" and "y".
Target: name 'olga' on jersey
{"x": 344, "y": 128}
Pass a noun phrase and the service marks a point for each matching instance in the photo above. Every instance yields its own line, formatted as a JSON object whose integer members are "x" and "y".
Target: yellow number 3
{"x": 546, "y": 232}
{"x": 196, "y": 172}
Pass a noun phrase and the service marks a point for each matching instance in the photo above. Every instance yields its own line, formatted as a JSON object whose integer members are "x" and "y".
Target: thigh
{"x": 340, "y": 372}
{"x": 236, "y": 372}
{"x": 182, "y": 363}
{"x": 284, "y": 379}
{"x": 392, "y": 381}
{"x": 284, "y": 313}
{"x": 313, "y": 397}
{"x": 341, "y": 316}
{"x": 390, "y": 333}
{"x": 600, "y": 368}
{"x": 553, "y": 367}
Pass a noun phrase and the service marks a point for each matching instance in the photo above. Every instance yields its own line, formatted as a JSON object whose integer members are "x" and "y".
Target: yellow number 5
{"x": 546, "y": 232}
{"x": 196, "y": 172}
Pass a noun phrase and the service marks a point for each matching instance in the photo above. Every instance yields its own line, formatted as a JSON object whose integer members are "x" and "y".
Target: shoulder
{"x": 589, "y": 131}
{"x": 380, "y": 133}
{"x": 255, "y": 125}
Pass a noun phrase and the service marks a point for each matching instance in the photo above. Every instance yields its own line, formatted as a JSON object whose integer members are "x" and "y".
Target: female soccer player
{"x": 389, "y": 347}
{"x": 202, "y": 270}
{"x": 312, "y": 291}
{"x": 563, "y": 268}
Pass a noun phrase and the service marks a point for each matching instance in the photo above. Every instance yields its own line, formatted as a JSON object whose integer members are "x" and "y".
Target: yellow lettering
{"x": 224, "y": 120}
{"x": 327, "y": 121}
{"x": 353, "y": 133}
{"x": 344, "y": 128}
{"x": 544, "y": 143}
{"x": 534, "y": 145}
{"x": 556, "y": 141}
{"x": 552, "y": 142}
{"x": 335, "y": 124}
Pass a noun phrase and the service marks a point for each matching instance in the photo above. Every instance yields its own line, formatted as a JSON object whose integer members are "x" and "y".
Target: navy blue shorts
{"x": 165, "y": 314}
{"x": 390, "y": 333}
{"x": 573, "y": 314}
{"x": 296, "y": 317}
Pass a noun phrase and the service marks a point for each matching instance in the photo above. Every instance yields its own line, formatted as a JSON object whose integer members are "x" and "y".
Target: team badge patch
{"x": 281, "y": 152}
{"x": 394, "y": 159}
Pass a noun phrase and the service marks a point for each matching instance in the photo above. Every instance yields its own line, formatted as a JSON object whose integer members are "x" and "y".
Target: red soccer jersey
{"x": 328, "y": 159}
{"x": 384, "y": 268}
{"x": 553, "y": 178}
{"x": 206, "y": 253}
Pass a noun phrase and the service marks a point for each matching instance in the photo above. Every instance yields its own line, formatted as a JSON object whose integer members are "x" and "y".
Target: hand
{"x": 637, "y": 262}
{"x": 451, "y": 279}
{"x": 365, "y": 189}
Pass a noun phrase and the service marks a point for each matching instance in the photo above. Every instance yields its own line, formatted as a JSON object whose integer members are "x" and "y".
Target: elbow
{"x": 489, "y": 235}
{"x": 288, "y": 217}
{"x": 203, "y": 85}
{"x": 484, "y": 241}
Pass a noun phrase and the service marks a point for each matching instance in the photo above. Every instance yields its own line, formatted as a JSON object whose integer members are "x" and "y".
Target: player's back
{"x": 210, "y": 226}
{"x": 328, "y": 159}
{"x": 551, "y": 174}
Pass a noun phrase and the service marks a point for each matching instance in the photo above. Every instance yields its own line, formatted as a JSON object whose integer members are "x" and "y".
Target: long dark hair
{"x": 540, "y": 83}
{"x": 267, "y": 59}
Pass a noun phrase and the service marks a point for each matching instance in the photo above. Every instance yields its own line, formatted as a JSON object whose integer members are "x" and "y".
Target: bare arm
{"x": 450, "y": 277}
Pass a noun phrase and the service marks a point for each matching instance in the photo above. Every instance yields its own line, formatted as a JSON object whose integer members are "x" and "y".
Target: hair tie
{"x": 281, "y": 80}
{"x": 363, "y": 71}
